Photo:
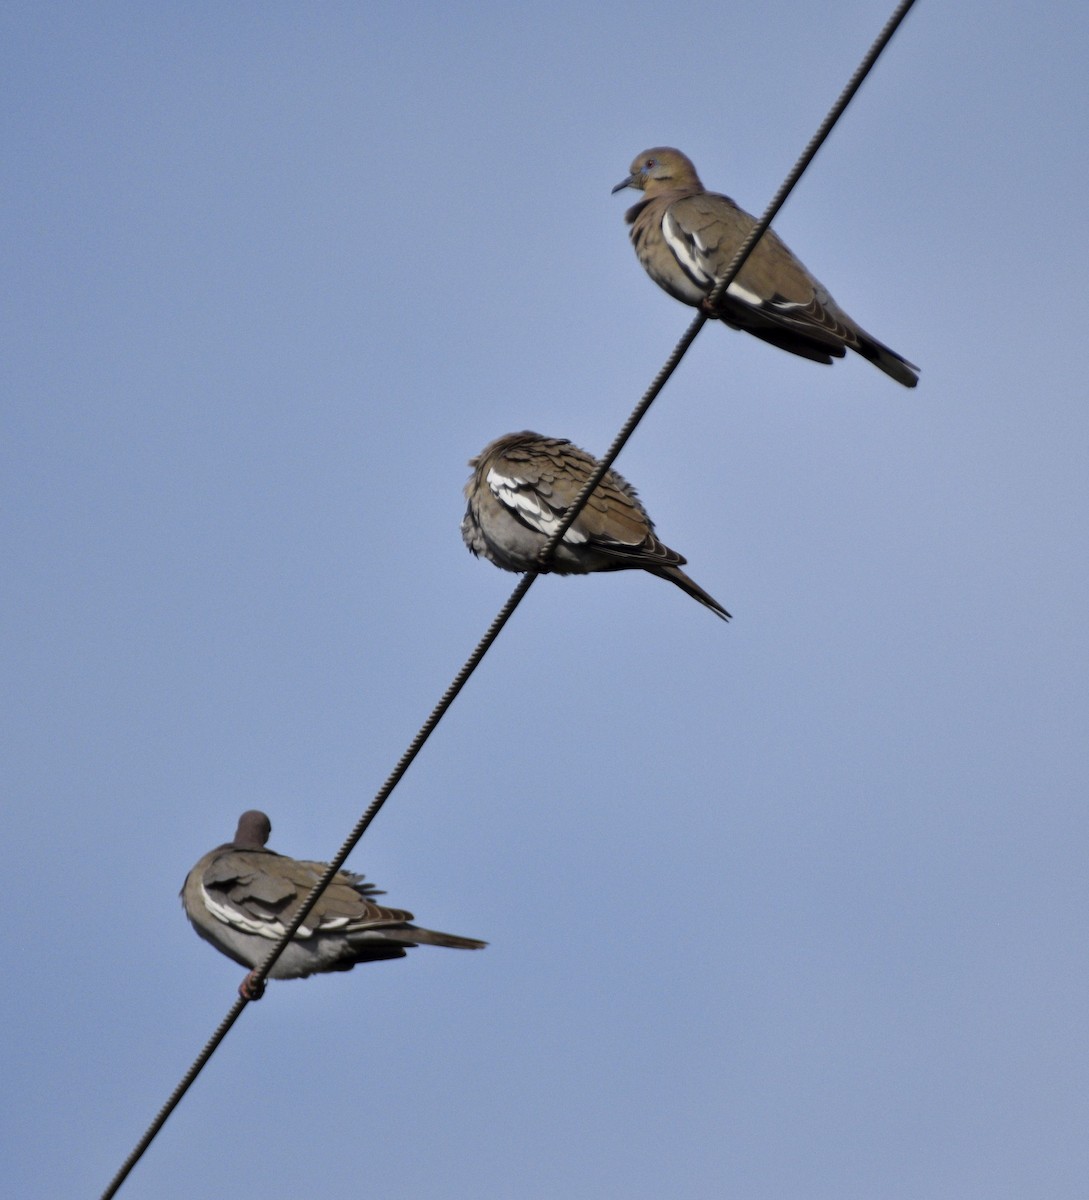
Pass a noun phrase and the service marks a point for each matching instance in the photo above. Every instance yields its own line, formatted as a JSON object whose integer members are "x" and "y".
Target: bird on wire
{"x": 241, "y": 896}
{"x": 685, "y": 237}
{"x": 522, "y": 487}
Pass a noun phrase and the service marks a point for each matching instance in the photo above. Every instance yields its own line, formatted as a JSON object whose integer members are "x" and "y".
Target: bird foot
{"x": 250, "y": 988}
{"x": 708, "y": 309}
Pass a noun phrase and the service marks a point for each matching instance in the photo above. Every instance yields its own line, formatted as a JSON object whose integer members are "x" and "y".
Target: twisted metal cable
{"x": 261, "y": 972}
{"x": 807, "y": 155}
{"x": 175, "y": 1097}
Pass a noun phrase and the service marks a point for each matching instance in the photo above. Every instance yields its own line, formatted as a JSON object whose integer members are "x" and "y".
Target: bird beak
{"x": 629, "y": 182}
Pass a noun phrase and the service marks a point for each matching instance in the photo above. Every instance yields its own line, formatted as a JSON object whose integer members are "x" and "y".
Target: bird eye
{"x": 650, "y": 164}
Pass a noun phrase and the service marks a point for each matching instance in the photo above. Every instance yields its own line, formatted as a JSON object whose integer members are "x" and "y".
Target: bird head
{"x": 253, "y": 830}
{"x": 661, "y": 169}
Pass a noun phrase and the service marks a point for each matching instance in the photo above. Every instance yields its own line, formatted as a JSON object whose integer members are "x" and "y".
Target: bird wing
{"x": 538, "y": 481}
{"x": 528, "y": 481}
{"x": 256, "y": 891}
{"x": 704, "y": 231}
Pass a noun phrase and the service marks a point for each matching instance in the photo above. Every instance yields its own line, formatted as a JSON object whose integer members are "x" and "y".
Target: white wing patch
{"x": 688, "y": 251}
{"x": 740, "y": 293}
{"x": 238, "y": 920}
{"x": 691, "y": 256}
{"x": 520, "y": 496}
{"x": 744, "y": 295}
{"x": 260, "y": 926}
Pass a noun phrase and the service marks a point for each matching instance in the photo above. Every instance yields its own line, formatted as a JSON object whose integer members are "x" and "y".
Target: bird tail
{"x": 413, "y": 935}
{"x": 887, "y": 360}
{"x": 685, "y": 583}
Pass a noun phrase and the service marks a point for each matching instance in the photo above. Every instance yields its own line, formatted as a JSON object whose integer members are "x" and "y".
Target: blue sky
{"x": 791, "y": 907}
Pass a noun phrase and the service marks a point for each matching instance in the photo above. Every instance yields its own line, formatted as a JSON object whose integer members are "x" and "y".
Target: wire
{"x": 808, "y": 154}
{"x": 261, "y": 972}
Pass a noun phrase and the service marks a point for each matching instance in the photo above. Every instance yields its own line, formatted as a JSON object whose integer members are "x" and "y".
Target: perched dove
{"x": 521, "y": 488}
{"x": 241, "y": 896}
{"x": 685, "y": 237}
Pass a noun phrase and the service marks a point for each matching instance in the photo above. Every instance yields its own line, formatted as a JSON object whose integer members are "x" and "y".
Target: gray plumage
{"x": 521, "y": 488}
{"x": 686, "y": 236}
{"x": 241, "y": 895}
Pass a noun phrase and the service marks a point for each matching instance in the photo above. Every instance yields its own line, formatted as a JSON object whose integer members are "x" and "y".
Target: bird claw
{"x": 251, "y": 988}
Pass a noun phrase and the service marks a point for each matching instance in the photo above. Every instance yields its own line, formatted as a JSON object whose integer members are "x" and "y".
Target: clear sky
{"x": 793, "y": 907}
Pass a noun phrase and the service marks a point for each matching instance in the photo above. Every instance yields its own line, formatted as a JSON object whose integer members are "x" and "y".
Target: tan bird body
{"x": 521, "y": 488}
{"x": 241, "y": 896}
{"x": 686, "y": 237}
